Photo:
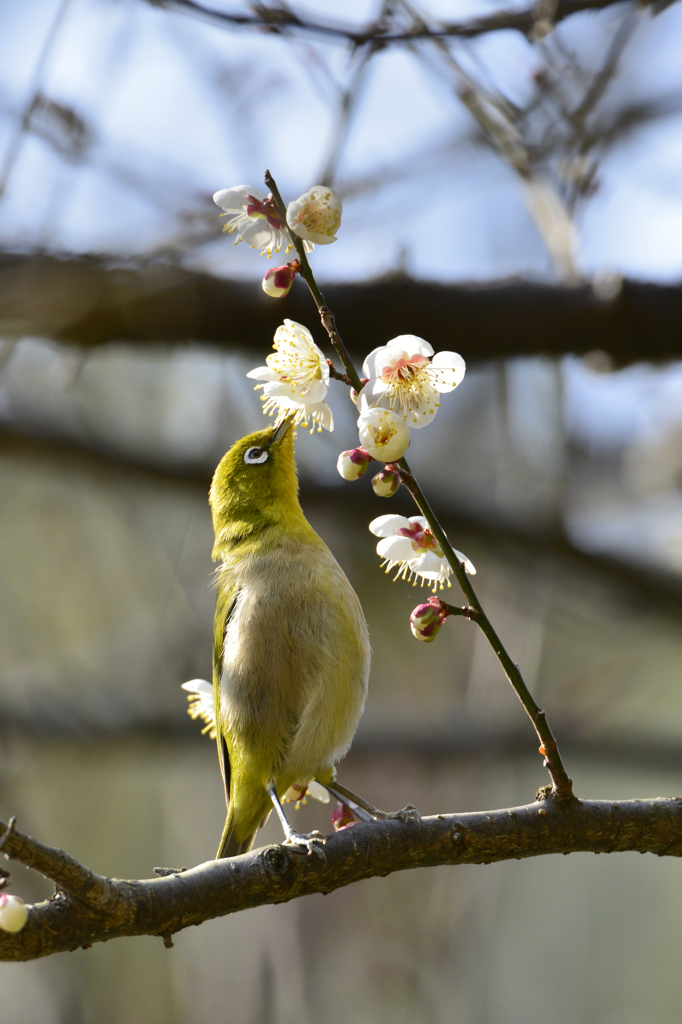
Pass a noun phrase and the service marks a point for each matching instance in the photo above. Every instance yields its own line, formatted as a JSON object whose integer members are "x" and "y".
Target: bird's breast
{"x": 295, "y": 655}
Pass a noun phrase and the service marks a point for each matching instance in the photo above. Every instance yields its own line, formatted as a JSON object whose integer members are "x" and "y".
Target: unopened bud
{"x": 13, "y": 913}
{"x": 386, "y": 483}
{"x": 278, "y": 280}
{"x": 342, "y": 817}
{"x": 353, "y": 464}
{"x": 426, "y": 619}
{"x": 354, "y": 393}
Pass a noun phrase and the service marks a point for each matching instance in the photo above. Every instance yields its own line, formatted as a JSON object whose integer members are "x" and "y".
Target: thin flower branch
{"x": 562, "y": 785}
{"x": 326, "y": 315}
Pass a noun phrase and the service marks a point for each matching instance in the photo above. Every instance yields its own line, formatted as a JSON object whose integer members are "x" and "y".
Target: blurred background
{"x": 511, "y": 183}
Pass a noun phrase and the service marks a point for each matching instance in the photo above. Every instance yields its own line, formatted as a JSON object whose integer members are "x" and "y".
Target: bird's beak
{"x": 281, "y": 431}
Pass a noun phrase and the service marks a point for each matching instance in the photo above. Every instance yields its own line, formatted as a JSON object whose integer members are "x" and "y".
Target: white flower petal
{"x": 263, "y": 373}
{"x": 286, "y": 405}
{"x": 201, "y": 686}
{"x": 234, "y": 200}
{"x": 257, "y": 233}
{"x": 388, "y": 525}
{"x": 201, "y": 703}
{"x": 375, "y": 362}
{"x": 322, "y": 415}
{"x": 317, "y": 792}
{"x": 450, "y": 370}
{"x": 309, "y": 392}
{"x": 468, "y": 565}
{"x": 431, "y": 566}
{"x": 397, "y": 549}
{"x": 411, "y": 344}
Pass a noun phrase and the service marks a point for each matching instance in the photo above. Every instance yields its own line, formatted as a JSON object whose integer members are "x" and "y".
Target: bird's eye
{"x": 253, "y": 456}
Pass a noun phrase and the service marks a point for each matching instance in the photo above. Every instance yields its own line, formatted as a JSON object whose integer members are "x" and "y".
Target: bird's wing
{"x": 226, "y": 601}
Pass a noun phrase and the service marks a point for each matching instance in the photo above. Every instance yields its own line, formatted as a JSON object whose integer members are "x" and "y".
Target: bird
{"x": 291, "y": 650}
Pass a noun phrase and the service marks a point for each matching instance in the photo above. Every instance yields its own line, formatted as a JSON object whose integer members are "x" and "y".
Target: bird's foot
{"x": 405, "y": 814}
{"x": 312, "y": 842}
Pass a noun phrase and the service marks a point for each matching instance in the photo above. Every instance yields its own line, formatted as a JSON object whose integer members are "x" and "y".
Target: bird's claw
{"x": 405, "y": 814}
{"x": 312, "y": 842}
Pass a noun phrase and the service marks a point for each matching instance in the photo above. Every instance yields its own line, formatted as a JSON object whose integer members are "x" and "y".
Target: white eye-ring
{"x": 254, "y": 456}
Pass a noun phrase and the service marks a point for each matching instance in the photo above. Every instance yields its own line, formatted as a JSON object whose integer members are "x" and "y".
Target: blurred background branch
{"x": 89, "y": 301}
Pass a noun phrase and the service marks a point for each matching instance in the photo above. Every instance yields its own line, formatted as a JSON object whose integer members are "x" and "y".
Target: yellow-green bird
{"x": 291, "y": 649}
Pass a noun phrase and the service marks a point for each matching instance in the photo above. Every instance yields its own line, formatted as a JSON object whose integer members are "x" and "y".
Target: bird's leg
{"x": 366, "y": 811}
{"x": 312, "y": 842}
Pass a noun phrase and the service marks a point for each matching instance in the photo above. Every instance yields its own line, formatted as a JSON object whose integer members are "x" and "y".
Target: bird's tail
{"x": 229, "y": 845}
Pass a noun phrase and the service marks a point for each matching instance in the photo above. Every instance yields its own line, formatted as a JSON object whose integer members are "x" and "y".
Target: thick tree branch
{"x": 115, "y": 908}
{"x": 86, "y": 301}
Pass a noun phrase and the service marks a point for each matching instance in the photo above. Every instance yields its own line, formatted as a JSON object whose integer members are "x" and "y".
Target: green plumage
{"x": 291, "y": 650}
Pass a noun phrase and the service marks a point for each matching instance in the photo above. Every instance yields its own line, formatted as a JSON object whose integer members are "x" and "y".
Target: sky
{"x": 175, "y": 108}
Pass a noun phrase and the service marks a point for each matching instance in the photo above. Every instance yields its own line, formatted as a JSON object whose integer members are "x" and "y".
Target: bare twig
{"x": 287, "y": 21}
{"x": 82, "y": 885}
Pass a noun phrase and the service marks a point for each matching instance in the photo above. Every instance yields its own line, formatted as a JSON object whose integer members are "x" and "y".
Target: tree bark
{"x": 89, "y": 908}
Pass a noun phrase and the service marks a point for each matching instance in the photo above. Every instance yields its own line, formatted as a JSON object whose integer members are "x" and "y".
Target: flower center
{"x": 318, "y": 216}
{"x": 297, "y": 368}
{"x": 421, "y": 537}
{"x": 407, "y": 380}
{"x": 258, "y": 208}
{"x": 383, "y": 433}
{"x": 405, "y": 372}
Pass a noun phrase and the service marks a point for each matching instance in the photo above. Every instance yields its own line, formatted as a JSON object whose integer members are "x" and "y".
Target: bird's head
{"x": 255, "y": 486}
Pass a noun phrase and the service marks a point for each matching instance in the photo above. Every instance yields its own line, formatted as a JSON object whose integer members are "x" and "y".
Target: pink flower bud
{"x": 278, "y": 280}
{"x": 342, "y": 817}
{"x": 354, "y": 393}
{"x": 426, "y": 619}
{"x": 353, "y": 464}
{"x": 13, "y": 913}
{"x": 386, "y": 483}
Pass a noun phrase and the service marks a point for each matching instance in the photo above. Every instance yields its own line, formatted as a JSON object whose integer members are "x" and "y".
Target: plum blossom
{"x": 410, "y": 545}
{"x": 296, "y": 378}
{"x": 383, "y": 433}
{"x": 406, "y": 377}
{"x": 201, "y": 704}
{"x": 13, "y": 913}
{"x": 298, "y": 794}
{"x": 254, "y": 217}
{"x": 316, "y": 215}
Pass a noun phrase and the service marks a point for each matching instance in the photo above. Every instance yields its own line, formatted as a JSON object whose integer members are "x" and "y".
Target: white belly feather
{"x": 296, "y": 659}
